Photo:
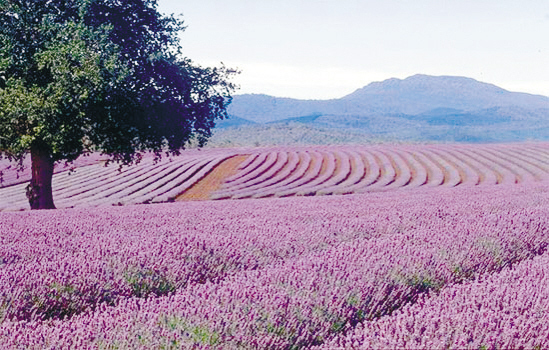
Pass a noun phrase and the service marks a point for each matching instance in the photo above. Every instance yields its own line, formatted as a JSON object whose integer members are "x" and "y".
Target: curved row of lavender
{"x": 277, "y": 273}
{"x": 281, "y": 172}
{"x": 94, "y": 184}
{"x": 9, "y": 174}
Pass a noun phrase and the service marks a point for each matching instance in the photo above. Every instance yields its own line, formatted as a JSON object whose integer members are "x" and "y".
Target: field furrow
{"x": 9, "y": 174}
{"x": 303, "y": 163}
{"x": 342, "y": 172}
{"x": 268, "y": 175}
{"x": 435, "y": 171}
{"x": 193, "y": 176}
{"x": 452, "y": 175}
{"x": 372, "y": 171}
{"x": 386, "y": 171}
{"x": 521, "y": 170}
{"x": 293, "y": 171}
{"x": 313, "y": 171}
{"x": 160, "y": 183}
{"x": 489, "y": 164}
{"x": 468, "y": 175}
{"x": 357, "y": 171}
{"x": 418, "y": 173}
{"x": 66, "y": 180}
{"x": 213, "y": 180}
{"x": 255, "y": 168}
{"x": 327, "y": 172}
{"x": 123, "y": 182}
{"x": 278, "y": 176}
{"x": 403, "y": 173}
{"x": 534, "y": 157}
{"x": 97, "y": 185}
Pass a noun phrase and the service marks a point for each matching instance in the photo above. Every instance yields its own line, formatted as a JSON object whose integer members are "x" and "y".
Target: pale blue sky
{"x": 323, "y": 49}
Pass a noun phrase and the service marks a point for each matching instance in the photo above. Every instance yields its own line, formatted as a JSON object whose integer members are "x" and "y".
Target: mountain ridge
{"x": 421, "y": 107}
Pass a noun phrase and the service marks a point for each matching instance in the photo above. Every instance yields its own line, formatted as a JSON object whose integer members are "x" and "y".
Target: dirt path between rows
{"x": 212, "y": 182}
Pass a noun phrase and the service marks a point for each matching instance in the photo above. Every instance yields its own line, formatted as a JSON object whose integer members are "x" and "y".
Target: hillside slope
{"x": 237, "y": 173}
{"x": 418, "y": 108}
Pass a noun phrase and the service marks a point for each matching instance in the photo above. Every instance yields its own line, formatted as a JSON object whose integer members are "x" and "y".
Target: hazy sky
{"x": 328, "y": 48}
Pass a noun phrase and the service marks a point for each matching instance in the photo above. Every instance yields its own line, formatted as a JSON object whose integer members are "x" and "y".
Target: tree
{"x": 84, "y": 75}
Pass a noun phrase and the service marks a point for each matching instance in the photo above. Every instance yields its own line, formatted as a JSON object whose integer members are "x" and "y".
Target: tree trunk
{"x": 39, "y": 191}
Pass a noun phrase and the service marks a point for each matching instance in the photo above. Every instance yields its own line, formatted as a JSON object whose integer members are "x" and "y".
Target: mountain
{"x": 421, "y": 93}
{"x": 233, "y": 121}
{"x": 264, "y": 108}
{"x": 418, "y": 108}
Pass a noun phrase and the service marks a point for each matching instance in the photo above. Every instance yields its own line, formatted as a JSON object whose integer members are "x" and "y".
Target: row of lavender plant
{"x": 345, "y": 169}
{"x": 12, "y": 174}
{"x": 97, "y": 185}
{"x": 287, "y": 171}
{"x": 290, "y": 278}
{"x": 508, "y": 310}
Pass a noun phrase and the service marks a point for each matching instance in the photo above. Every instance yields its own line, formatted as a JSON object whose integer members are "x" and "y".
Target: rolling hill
{"x": 420, "y": 108}
{"x": 237, "y": 173}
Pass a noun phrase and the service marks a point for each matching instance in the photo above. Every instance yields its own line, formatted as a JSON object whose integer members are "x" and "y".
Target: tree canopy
{"x": 85, "y": 75}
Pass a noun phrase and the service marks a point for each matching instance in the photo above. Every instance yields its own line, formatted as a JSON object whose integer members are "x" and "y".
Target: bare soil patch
{"x": 213, "y": 180}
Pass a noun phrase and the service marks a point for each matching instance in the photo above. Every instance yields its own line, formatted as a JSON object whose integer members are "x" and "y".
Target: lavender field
{"x": 429, "y": 267}
{"x": 90, "y": 183}
{"x": 237, "y": 173}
